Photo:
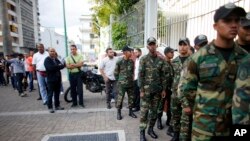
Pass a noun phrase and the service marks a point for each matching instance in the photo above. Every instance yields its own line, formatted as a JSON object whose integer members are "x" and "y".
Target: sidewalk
{"x": 26, "y": 119}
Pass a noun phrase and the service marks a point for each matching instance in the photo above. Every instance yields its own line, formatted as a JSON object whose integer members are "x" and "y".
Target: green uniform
{"x": 175, "y": 100}
{"x": 151, "y": 82}
{"x": 124, "y": 72}
{"x": 241, "y": 97}
{"x": 208, "y": 80}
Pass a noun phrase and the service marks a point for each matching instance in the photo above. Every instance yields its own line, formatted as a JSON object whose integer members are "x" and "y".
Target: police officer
{"x": 123, "y": 73}
{"x": 152, "y": 84}
{"x": 244, "y": 33}
{"x": 241, "y": 97}
{"x": 209, "y": 77}
{"x": 178, "y": 62}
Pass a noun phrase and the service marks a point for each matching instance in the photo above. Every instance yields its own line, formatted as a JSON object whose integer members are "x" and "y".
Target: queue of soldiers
{"x": 199, "y": 88}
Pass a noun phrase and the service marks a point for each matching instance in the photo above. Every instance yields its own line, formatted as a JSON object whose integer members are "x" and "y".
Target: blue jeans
{"x": 31, "y": 86}
{"x": 42, "y": 82}
{"x": 19, "y": 79}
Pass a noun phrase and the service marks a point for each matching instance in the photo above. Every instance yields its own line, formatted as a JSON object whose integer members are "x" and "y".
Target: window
{"x": 57, "y": 42}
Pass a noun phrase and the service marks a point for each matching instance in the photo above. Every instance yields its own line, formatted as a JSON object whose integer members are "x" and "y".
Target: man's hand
{"x": 142, "y": 94}
{"x": 187, "y": 110}
{"x": 163, "y": 94}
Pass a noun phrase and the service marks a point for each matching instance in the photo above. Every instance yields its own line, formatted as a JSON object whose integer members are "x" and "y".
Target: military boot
{"x": 159, "y": 124}
{"x": 170, "y": 131}
{"x": 151, "y": 132}
{"x": 142, "y": 135}
{"x": 168, "y": 118}
{"x": 131, "y": 113}
{"x": 175, "y": 137}
{"x": 119, "y": 116}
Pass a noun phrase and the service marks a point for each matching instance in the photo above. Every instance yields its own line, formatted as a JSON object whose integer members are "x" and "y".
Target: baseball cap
{"x": 127, "y": 48}
{"x": 200, "y": 39}
{"x": 245, "y": 21}
{"x": 169, "y": 49}
{"x": 227, "y": 9}
{"x": 151, "y": 40}
{"x": 185, "y": 40}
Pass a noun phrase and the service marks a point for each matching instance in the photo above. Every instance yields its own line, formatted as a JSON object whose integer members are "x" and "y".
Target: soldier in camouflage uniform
{"x": 184, "y": 45}
{"x": 151, "y": 83}
{"x": 186, "y": 118}
{"x": 244, "y": 33}
{"x": 209, "y": 78}
{"x": 241, "y": 97}
{"x": 123, "y": 73}
{"x": 169, "y": 74}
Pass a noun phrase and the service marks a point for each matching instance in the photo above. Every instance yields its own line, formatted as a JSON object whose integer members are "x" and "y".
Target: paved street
{"x": 26, "y": 119}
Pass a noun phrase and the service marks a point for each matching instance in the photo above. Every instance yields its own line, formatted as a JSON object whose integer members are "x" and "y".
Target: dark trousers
{"x": 2, "y": 80}
{"x": 31, "y": 85}
{"x": 76, "y": 86}
{"x": 19, "y": 79}
{"x": 136, "y": 95}
{"x": 110, "y": 89}
{"x": 13, "y": 82}
{"x": 53, "y": 88}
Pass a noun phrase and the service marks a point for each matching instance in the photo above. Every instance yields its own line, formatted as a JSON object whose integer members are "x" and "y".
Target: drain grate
{"x": 117, "y": 135}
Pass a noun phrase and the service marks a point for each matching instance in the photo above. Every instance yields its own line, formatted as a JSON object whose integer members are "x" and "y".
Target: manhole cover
{"x": 92, "y": 136}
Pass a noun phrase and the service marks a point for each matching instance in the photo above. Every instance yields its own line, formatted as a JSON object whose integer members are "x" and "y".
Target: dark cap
{"x": 185, "y": 40}
{"x": 151, "y": 40}
{"x": 245, "y": 21}
{"x": 200, "y": 39}
{"x": 169, "y": 49}
{"x": 127, "y": 48}
{"x": 227, "y": 9}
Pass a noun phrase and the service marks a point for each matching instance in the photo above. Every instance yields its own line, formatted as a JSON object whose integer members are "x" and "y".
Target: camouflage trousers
{"x": 149, "y": 105}
{"x": 121, "y": 93}
{"x": 186, "y": 127}
{"x": 203, "y": 136}
{"x": 176, "y": 111}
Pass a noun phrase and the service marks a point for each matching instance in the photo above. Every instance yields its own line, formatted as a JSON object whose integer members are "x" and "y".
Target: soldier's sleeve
{"x": 167, "y": 72}
{"x": 241, "y": 97}
{"x": 117, "y": 70}
{"x": 188, "y": 83}
{"x": 164, "y": 74}
{"x": 141, "y": 75}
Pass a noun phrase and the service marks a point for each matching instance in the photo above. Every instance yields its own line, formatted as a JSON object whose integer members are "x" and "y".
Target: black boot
{"x": 119, "y": 116}
{"x": 159, "y": 124}
{"x": 131, "y": 113}
{"x": 168, "y": 118}
{"x": 170, "y": 131}
{"x": 175, "y": 137}
{"x": 152, "y": 133}
{"x": 142, "y": 135}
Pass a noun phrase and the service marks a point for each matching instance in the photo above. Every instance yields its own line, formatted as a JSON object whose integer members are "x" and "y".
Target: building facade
{"x": 24, "y": 25}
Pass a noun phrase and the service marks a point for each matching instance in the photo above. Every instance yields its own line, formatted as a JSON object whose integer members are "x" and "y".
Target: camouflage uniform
{"x": 124, "y": 71}
{"x": 151, "y": 82}
{"x": 169, "y": 75}
{"x": 175, "y": 100}
{"x": 241, "y": 97}
{"x": 208, "y": 80}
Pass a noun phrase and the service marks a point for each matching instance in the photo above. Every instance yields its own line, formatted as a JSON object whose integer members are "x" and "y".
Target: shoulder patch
{"x": 242, "y": 73}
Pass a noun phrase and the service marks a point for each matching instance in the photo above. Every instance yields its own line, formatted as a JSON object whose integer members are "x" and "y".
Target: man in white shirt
{"x": 40, "y": 71}
{"x": 107, "y": 67}
{"x": 138, "y": 54}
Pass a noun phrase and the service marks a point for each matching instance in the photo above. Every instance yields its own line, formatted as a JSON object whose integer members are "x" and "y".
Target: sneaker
{"x": 112, "y": 100}
{"x": 73, "y": 105}
{"x": 59, "y": 108}
{"x": 39, "y": 98}
{"x": 23, "y": 94}
{"x": 45, "y": 103}
{"x": 82, "y": 105}
{"x": 51, "y": 110}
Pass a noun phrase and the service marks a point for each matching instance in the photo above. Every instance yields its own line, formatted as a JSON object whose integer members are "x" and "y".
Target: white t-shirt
{"x": 38, "y": 60}
{"x": 136, "y": 70}
{"x": 108, "y": 65}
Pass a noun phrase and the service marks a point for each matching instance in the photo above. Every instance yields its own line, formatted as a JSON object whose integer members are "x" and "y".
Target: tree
{"x": 7, "y": 43}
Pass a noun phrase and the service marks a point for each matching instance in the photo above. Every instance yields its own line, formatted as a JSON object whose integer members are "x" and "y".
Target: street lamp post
{"x": 65, "y": 29}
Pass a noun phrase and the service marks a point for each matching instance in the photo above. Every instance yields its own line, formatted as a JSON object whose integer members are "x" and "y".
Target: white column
{"x": 150, "y": 20}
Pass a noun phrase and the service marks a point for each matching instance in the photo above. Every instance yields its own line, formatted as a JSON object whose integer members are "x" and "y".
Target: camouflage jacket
{"x": 241, "y": 97}
{"x": 177, "y": 67}
{"x": 208, "y": 80}
{"x": 124, "y": 72}
{"x": 151, "y": 74}
{"x": 169, "y": 74}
